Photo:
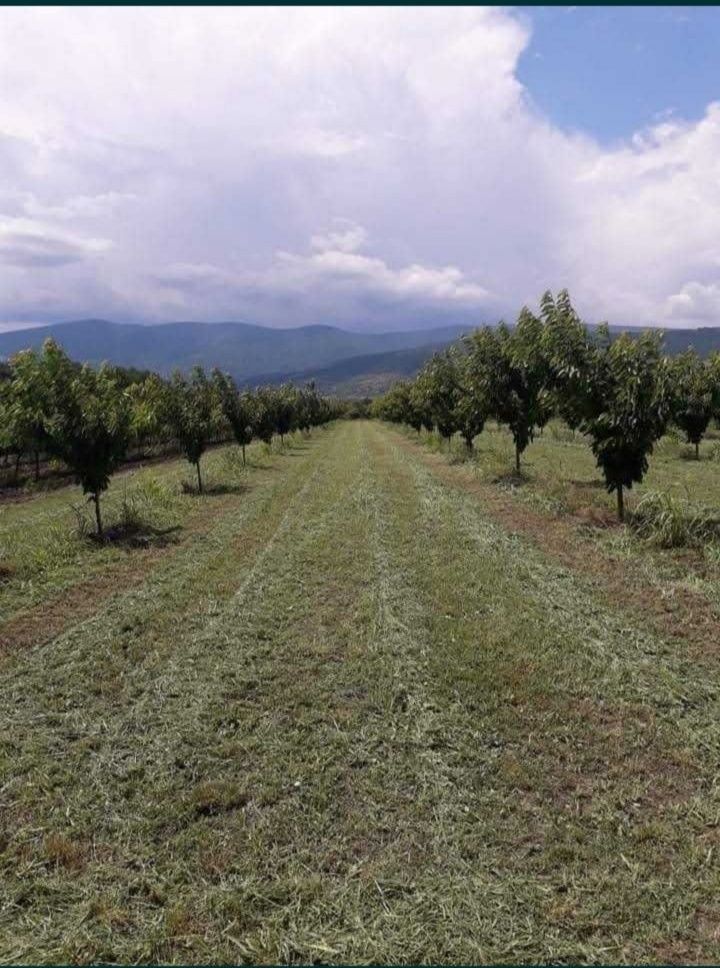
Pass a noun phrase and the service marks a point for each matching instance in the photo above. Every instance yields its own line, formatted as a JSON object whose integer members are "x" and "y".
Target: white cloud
{"x": 333, "y": 278}
{"x": 695, "y": 303}
{"x": 35, "y": 245}
{"x": 391, "y": 154}
{"x": 345, "y": 237}
{"x": 347, "y": 270}
{"x": 78, "y": 206}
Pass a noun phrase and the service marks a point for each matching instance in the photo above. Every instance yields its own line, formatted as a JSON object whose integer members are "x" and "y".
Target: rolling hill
{"x": 239, "y": 348}
{"x": 704, "y": 340}
{"x": 359, "y": 376}
{"x": 371, "y": 374}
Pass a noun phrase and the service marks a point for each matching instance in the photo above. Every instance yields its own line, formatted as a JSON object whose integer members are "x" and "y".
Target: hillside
{"x": 239, "y": 348}
{"x": 360, "y": 376}
{"x": 704, "y": 340}
{"x": 371, "y": 374}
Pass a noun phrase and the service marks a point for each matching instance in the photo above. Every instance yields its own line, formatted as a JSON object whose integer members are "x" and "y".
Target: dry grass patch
{"x": 62, "y": 851}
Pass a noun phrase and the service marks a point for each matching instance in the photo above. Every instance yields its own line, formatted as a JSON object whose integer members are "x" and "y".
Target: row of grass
{"x": 47, "y": 541}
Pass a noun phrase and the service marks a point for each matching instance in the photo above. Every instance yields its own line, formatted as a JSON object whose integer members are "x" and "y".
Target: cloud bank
{"x": 370, "y": 167}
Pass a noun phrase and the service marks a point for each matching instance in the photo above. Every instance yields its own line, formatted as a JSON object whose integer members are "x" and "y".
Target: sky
{"x": 372, "y": 168}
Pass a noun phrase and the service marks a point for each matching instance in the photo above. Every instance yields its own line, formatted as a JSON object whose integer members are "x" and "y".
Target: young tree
{"x": 236, "y": 409}
{"x": 284, "y": 406}
{"x": 12, "y": 439}
{"x": 625, "y": 405}
{"x": 308, "y": 407}
{"x": 695, "y": 396}
{"x": 437, "y": 389}
{"x": 419, "y": 415}
{"x": 471, "y": 407}
{"x": 192, "y": 415}
{"x": 148, "y": 402}
{"x": 528, "y": 405}
{"x": 398, "y": 406}
{"x": 88, "y": 421}
{"x": 263, "y": 414}
{"x": 511, "y": 371}
{"x": 6, "y": 435}
{"x": 326, "y": 409}
{"x": 617, "y": 392}
{"x": 567, "y": 351}
{"x": 26, "y": 406}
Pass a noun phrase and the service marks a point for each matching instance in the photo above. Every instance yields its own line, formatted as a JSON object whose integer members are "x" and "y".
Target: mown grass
{"x": 559, "y": 472}
{"x": 673, "y": 516}
{"x": 356, "y": 721}
{"x": 46, "y": 542}
{"x": 596, "y": 743}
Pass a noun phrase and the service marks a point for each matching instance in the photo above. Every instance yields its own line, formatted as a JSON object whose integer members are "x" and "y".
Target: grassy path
{"x": 351, "y": 720}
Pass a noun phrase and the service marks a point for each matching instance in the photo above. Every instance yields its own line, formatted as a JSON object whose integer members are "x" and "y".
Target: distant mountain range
{"x": 245, "y": 351}
{"x": 705, "y": 340}
{"x": 342, "y": 362}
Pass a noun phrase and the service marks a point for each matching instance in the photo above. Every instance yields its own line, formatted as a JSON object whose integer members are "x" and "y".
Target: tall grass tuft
{"x": 671, "y": 522}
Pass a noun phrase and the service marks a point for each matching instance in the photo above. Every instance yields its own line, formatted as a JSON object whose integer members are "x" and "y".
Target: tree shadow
{"x": 512, "y": 479}
{"x": 258, "y": 465}
{"x": 136, "y": 534}
{"x": 222, "y": 488}
{"x": 7, "y": 573}
{"x": 213, "y": 490}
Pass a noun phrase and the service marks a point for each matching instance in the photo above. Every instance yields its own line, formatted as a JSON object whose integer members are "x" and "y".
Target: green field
{"x": 362, "y": 702}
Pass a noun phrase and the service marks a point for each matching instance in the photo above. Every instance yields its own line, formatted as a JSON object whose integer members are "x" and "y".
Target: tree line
{"x": 620, "y": 392}
{"x": 91, "y": 419}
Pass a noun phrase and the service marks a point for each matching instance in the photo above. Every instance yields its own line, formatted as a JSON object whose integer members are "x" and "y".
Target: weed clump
{"x": 62, "y": 851}
{"x": 670, "y": 522}
{"x": 214, "y": 797}
{"x": 7, "y": 570}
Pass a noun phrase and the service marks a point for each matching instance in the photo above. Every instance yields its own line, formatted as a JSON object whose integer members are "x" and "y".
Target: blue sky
{"x": 368, "y": 167}
{"x": 613, "y": 70}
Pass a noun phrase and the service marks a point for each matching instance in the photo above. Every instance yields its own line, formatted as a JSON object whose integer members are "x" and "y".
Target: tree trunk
{"x": 197, "y": 465}
{"x": 17, "y": 467}
{"x": 620, "y": 503}
{"x": 98, "y": 518}
{"x": 697, "y": 450}
{"x": 37, "y": 465}
{"x": 517, "y": 459}
{"x": 243, "y": 450}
